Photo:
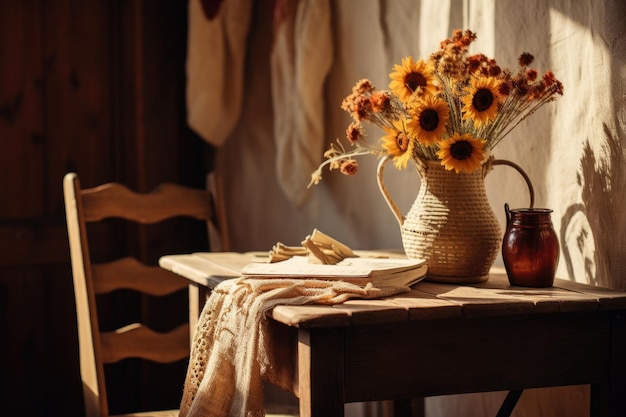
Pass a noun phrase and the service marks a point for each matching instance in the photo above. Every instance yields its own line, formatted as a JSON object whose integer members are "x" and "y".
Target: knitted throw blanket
{"x": 229, "y": 355}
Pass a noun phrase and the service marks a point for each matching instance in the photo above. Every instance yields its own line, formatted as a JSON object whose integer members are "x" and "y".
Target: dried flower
{"x": 525, "y": 59}
{"x": 452, "y": 107}
{"x": 354, "y": 132}
{"x": 349, "y": 167}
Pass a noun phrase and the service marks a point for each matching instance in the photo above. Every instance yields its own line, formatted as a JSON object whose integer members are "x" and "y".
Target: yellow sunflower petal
{"x": 428, "y": 121}
{"x": 411, "y": 75}
{"x": 462, "y": 153}
{"x": 398, "y": 144}
{"x": 481, "y": 100}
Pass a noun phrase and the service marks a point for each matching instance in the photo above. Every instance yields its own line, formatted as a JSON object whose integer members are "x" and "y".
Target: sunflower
{"x": 428, "y": 119}
{"x": 462, "y": 153}
{"x": 481, "y": 100}
{"x": 411, "y": 76}
{"x": 398, "y": 144}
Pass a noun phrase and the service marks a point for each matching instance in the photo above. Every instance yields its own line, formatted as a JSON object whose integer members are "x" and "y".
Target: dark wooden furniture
{"x": 444, "y": 339}
{"x": 96, "y": 87}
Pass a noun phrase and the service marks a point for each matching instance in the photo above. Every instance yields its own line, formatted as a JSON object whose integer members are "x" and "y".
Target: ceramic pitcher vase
{"x": 451, "y": 224}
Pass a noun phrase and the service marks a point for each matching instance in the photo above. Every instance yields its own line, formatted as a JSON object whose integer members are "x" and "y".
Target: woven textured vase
{"x": 451, "y": 224}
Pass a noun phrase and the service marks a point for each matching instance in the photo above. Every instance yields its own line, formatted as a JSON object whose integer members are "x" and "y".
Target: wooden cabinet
{"x": 96, "y": 87}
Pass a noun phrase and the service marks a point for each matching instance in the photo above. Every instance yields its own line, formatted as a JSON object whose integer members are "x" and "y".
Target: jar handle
{"x": 523, "y": 174}
{"x": 507, "y": 212}
{"x": 383, "y": 190}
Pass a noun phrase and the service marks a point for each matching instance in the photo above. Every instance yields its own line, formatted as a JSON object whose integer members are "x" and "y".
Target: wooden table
{"x": 442, "y": 339}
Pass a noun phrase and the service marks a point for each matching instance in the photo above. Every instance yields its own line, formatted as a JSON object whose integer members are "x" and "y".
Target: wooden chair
{"x": 135, "y": 340}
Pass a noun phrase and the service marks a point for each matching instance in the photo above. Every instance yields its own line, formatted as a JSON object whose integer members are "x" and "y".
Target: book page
{"x": 299, "y": 266}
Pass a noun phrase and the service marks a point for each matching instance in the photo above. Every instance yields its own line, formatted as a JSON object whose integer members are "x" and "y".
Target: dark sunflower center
{"x": 483, "y": 99}
{"x": 414, "y": 80}
{"x": 402, "y": 141}
{"x": 429, "y": 120}
{"x": 461, "y": 150}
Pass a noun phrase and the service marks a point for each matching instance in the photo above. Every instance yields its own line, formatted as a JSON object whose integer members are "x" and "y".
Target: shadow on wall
{"x": 595, "y": 229}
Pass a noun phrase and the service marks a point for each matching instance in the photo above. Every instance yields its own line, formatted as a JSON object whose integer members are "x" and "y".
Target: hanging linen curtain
{"x": 301, "y": 55}
{"x": 216, "y": 52}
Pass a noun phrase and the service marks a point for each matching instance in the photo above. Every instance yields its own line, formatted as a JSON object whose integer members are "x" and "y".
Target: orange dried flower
{"x": 354, "y": 132}
{"x": 349, "y": 167}
{"x": 363, "y": 86}
{"x": 380, "y": 101}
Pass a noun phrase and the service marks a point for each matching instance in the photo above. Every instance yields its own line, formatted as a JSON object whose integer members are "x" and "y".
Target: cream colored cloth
{"x": 301, "y": 58}
{"x": 230, "y": 353}
{"x": 300, "y": 61}
{"x": 215, "y": 67}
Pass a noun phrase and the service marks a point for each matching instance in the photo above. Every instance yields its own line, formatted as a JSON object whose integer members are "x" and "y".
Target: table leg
{"x": 509, "y": 403}
{"x": 599, "y": 400}
{"x": 197, "y": 299}
{"x": 618, "y": 363}
{"x": 607, "y": 398}
{"x": 412, "y": 407}
{"x": 321, "y": 372}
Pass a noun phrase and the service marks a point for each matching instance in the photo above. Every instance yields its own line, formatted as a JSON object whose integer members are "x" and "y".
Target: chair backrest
{"x": 135, "y": 340}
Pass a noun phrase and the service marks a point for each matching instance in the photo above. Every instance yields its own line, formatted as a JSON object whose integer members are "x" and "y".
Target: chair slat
{"x": 139, "y": 341}
{"x": 129, "y": 273}
{"x": 166, "y": 201}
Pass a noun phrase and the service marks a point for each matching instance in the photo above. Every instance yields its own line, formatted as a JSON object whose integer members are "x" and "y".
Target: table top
{"x": 426, "y": 300}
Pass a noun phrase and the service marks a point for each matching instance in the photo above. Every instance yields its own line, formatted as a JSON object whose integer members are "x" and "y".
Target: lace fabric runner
{"x": 230, "y": 353}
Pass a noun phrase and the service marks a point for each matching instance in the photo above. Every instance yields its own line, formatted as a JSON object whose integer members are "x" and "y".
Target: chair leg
{"x": 509, "y": 403}
{"x": 411, "y": 407}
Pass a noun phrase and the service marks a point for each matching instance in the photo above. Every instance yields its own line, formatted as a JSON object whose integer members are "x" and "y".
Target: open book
{"x": 380, "y": 272}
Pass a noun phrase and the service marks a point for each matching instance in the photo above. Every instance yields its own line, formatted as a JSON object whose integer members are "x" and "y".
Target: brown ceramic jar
{"x": 530, "y": 248}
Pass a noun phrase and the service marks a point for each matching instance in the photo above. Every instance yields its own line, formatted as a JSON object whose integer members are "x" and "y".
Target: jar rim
{"x": 531, "y": 210}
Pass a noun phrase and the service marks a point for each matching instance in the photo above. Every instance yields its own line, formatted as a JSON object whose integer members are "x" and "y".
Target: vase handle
{"x": 398, "y": 214}
{"x": 383, "y": 190}
{"x": 522, "y": 173}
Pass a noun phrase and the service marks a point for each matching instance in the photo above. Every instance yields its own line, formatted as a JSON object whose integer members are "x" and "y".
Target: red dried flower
{"x": 473, "y": 62}
{"x": 504, "y": 89}
{"x": 531, "y": 74}
{"x": 549, "y": 78}
{"x": 525, "y": 59}
{"x": 495, "y": 70}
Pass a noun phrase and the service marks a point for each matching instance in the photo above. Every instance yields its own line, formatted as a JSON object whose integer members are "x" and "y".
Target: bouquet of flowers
{"x": 453, "y": 107}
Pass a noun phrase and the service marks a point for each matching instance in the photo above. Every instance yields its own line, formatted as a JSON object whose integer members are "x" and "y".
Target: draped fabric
{"x": 301, "y": 55}
{"x": 217, "y": 37}
{"x": 232, "y": 349}
{"x": 572, "y": 149}
{"x": 300, "y": 60}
